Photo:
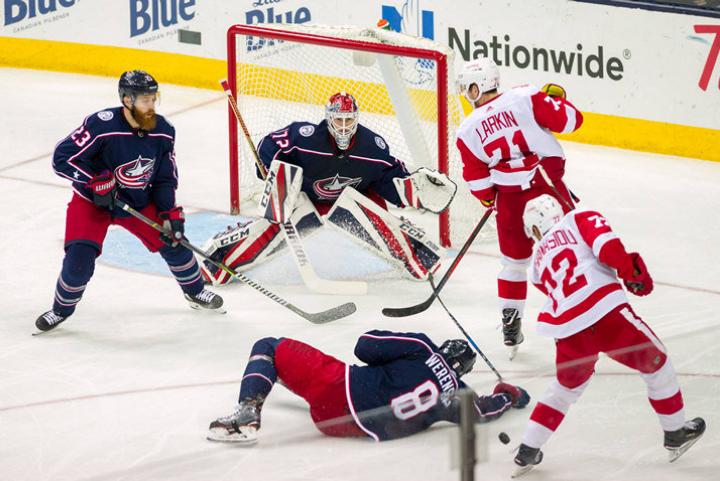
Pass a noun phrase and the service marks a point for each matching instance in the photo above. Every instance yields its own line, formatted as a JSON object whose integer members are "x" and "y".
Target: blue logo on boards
{"x": 19, "y": 10}
{"x": 146, "y": 15}
{"x": 412, "y": 20}
{"x": 270, "y": 15}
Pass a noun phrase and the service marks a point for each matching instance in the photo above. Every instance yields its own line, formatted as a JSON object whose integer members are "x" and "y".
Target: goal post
{"x": 404, "y": 85}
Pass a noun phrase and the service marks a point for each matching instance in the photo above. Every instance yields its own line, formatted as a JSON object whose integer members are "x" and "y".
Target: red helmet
{"x": 342, "y": 113}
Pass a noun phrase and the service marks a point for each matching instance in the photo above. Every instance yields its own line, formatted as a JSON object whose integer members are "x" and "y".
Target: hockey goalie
{"x": 338, "y": 174}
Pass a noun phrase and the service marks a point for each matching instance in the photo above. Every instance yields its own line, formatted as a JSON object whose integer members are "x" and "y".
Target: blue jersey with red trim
{"x": 366, "y": 165}
{"x": 407, "y": 386}
{"x": 143, "y": 162}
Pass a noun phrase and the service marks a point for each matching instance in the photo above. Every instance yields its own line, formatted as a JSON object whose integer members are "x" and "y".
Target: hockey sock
{"x": 78, "y": 268}
{"x": 184, "y": 267}
{"x": 550, "y": 412}
{"x": 512, "y": 284}
{"x": 260, "y": 374}
{"x": 665, "y": 396}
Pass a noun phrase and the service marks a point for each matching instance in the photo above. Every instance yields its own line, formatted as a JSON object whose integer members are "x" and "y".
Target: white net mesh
{"x": 279, "y": 82}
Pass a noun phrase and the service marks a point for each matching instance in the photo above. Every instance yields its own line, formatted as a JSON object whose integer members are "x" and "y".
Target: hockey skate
{"x": 677, "y": 442}
{"x": 48, "y": 321}
{"x": 512, "y": 334}
{"x": 239, "y": 427}
{"x": 526, "y": 459}
{"x": 206, "y": 300}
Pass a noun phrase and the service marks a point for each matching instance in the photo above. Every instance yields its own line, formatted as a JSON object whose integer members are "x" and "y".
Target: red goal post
{"x": 404, "y": 85}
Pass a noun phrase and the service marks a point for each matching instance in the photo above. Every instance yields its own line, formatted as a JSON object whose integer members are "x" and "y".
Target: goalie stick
{"x": 311, "y": 279}
{"x": 423, "y": 306}
{"x": 322, "y": 317}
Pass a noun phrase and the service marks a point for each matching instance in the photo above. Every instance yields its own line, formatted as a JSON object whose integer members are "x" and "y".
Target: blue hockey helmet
{"x": 136, "y": 82}
{"x": 459, "y": 355}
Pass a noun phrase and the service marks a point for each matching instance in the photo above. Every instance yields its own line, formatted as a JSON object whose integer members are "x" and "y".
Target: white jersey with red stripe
{"x": 503, "y": 141}
{"x": 565, "y": 266}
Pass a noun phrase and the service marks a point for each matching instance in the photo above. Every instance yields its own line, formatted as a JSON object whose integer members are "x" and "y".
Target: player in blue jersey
{"x": 407, "y": 385}
{"x": 124, "y": 153}
{"x": 348, "y": 178}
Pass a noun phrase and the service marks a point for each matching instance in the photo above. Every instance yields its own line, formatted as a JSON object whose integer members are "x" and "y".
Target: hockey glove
{"x": 554, "y": 90}
{"x": 426, "y": 189}
{"x": 488, "y": 204}
{"x": 519, "y": 397}
{"x": 640, "y": 284}
{"x": 174, "y": 223}
{"x": 104, "y": 189}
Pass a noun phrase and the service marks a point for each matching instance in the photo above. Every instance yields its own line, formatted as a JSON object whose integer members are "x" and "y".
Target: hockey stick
{"x": 316, "y": 318}
{"x": 552, "y": 186}
{"x": 423, "y": 306}
{"x": 311, "y": 279}
{"x": 467, "y": 336}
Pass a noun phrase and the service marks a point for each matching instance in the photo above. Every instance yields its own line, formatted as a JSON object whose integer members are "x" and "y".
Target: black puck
{"x": 504, "y": 438}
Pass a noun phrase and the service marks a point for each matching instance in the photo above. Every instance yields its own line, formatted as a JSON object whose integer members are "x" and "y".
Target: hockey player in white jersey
{"x": 576, "y": 263}
{"x": 504, "y": 143}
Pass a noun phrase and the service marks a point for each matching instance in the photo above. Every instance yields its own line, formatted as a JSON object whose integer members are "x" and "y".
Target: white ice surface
{"x": 125, "y": 389}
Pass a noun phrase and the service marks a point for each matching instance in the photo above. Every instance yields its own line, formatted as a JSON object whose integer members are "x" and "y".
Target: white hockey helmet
{"x": 541, "y": 213}
{"x": 482, "y": 72}
{"x": 342, "y": 114}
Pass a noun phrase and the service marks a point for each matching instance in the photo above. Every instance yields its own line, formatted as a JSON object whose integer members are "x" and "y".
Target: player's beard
{"x": 146, "y": 122}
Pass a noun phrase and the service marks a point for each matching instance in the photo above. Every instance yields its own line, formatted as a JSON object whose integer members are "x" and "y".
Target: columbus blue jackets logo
{"x": 105, "y": 115}
{"x": 332, "y": 188}
{"x": 135, "y": 174}
{"x": 307, "y": 130}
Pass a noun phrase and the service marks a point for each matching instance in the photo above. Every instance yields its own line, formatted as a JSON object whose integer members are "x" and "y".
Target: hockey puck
{"x": 504, "y": 438}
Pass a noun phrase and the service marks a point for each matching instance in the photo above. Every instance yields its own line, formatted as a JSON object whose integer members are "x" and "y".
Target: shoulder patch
{"x": 105, "y": 115}
{"x": 307, "y": 130}
{"x": 380, "y": 143}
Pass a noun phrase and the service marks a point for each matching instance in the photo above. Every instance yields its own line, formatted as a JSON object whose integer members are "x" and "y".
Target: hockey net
{"x": 404, "y": 85}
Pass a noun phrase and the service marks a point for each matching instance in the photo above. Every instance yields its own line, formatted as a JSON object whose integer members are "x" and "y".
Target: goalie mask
{"x": 541, "y": 214}
{"x": 137, "y": 82}
{"x": 483, "y": 73}
{"x": 342, "y": 113}
{"x": 459, "y": 356}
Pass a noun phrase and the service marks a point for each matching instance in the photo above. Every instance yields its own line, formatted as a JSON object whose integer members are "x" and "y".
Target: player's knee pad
{"x": 662, "y": 383}
{"x": 405, "y": 246}
{"x": 265, "y": 348}
{"x": 79, "y": 264}
{"x": 253, "y": 243}
{"x": 560, "y": 397}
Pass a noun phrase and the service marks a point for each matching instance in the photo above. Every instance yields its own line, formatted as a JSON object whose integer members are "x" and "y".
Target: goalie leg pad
{"x": 281, "y": 192}
{"x": 398, "y": 242}
{"x": 251, "y": 244}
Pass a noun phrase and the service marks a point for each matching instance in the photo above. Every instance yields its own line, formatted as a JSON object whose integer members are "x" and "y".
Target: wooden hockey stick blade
{"x": 329, "y": 315}
{"x": 307, "y": 271}
{"x": 423, "y": 306}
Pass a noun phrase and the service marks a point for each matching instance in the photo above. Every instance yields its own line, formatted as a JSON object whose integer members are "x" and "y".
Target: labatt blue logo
{"x": 19, "y": 10}
{"x": 146, "y": 15}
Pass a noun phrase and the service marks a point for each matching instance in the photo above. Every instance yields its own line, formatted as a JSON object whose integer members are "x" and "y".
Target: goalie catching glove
{"x": 426, "y": 189}
{"x": 640, "y": 284}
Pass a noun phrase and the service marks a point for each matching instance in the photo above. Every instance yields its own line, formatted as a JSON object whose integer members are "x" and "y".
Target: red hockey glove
{"x": 104, "y": 189}
{"x": 174, "y": 222}
{"x": 640, "y": 284}
{"x": 554, "y": 90}
{"x": 519, "y": 397}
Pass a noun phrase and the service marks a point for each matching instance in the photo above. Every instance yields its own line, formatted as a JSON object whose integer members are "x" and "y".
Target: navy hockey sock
{"x": 184, "y": 267}
{"x": 78, "y": 268}
{"x": 260, "y": 374}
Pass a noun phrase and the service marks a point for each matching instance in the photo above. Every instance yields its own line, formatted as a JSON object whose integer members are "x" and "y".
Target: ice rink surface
{"x": 126, "y": 388}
